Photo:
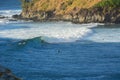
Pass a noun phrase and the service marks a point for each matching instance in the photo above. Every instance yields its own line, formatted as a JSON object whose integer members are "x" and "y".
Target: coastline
{"x": 40, "y": 44}
{"x": 96, "y": 15}
{"x": 96, "y": 11}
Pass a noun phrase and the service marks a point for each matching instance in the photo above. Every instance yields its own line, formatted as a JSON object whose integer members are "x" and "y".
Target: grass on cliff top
{"x": 59, "y": 6}
{"x": 108, "y": 3}
{"x": 66, "y": 6}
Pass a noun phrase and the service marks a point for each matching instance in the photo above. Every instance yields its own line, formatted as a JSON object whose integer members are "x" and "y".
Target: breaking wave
{"x": 9, "y": 13}
{"x": 50, "y": 34}
{"x": 6, "y": 16}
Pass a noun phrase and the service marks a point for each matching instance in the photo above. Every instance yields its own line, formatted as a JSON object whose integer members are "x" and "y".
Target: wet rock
{"x": 2, "y": 17}
{"x": 97, "y": 15}
{"x": 16, "y": 16}
{"x": 6, "y": 74}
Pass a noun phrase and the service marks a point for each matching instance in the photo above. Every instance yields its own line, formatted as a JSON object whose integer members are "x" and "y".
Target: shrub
{"x": 108, "y": 3}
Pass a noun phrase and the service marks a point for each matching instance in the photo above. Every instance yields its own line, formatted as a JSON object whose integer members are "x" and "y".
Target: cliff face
{"x": 79, "y": 11}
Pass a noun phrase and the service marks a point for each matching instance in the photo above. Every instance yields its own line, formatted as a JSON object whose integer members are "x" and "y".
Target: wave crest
{"x": 9, "y": 13}
{"x": 49, "y": 33}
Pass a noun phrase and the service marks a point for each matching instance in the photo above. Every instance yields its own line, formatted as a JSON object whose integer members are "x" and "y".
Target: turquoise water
{"x": 59, "y": 50}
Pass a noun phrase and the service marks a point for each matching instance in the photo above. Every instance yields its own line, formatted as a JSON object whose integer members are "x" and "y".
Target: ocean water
{"x": 58, "y": 50}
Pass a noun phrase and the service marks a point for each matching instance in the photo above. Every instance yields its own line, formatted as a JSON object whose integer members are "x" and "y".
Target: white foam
{"x": 9, "y": 13}
{"x": 7, "y": 21}
{"x": 1, "y": 21}
{"x": 106, "y": 35}
{"x": 50, "y": 33}
{"x": 4, "y": 21}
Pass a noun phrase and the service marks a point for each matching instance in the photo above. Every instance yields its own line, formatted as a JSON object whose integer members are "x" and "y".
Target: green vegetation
{"x": 61, "y": 7}
{"x": 27, "y": 3}
{"x": 108, "y": 3}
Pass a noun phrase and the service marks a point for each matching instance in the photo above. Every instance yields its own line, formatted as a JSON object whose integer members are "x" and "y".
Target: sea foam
{"x": 9, "y": 13}
{"x": 53, "y": 33}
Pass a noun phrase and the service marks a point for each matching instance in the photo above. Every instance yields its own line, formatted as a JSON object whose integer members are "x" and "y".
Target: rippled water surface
{"x": 58, "y": 50}
{"x": 61, "y": 50}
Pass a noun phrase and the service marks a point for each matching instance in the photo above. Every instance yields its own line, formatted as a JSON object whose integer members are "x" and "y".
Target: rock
{"x": 81, "y": 11}
{"x": 83, "y": 15}
{"x": 99, "y": 15}
{"x": 67, "y": 17}
{"x": 2, "y": 17}
{"x": 16, "y": 16}
{"x": 6, "y": 74}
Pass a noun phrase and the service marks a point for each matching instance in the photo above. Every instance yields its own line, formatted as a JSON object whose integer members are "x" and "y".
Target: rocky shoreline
{"x": 93, "y": 15}
{"x": 6, "y": 74}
